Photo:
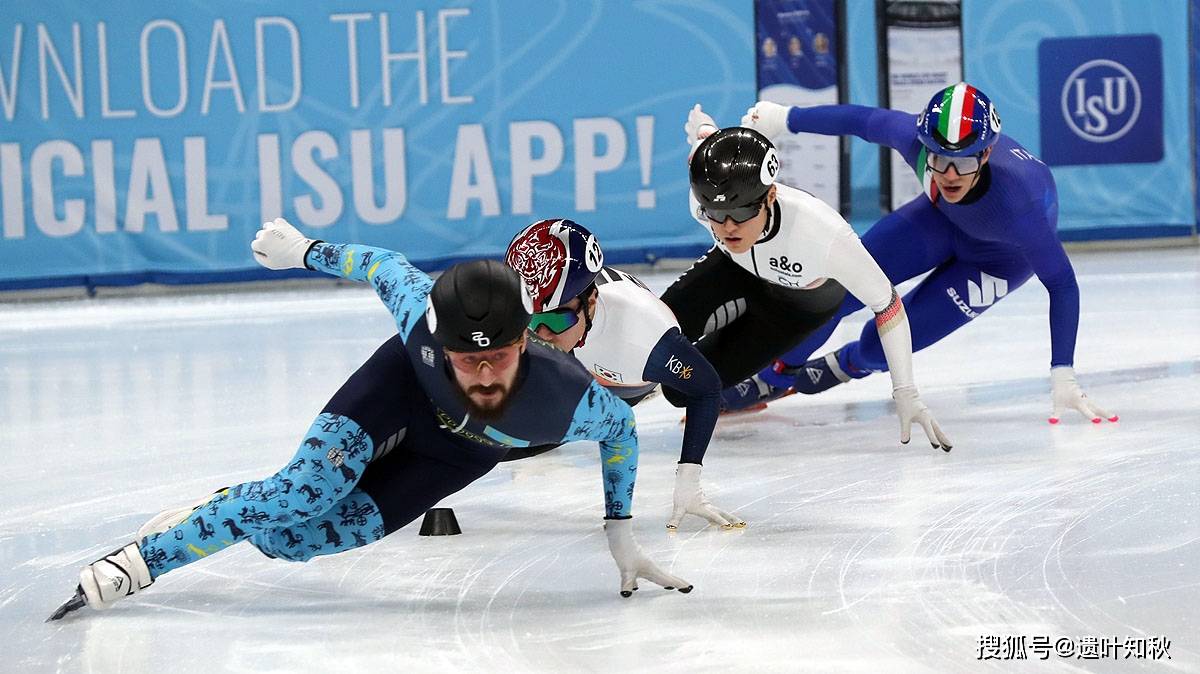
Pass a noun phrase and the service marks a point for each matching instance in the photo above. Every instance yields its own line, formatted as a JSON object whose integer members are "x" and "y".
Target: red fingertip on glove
{"x": 1053, "y": 420}
{"x": 1114, "y": 418}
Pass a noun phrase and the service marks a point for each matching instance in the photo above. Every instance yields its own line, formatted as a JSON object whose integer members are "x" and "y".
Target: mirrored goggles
{"x": 965, "y": 166}
{"x": 740, "y": 214}
{"x": 557, "y": 321}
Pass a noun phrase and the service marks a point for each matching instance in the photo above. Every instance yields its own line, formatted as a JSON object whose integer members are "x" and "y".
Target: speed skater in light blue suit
{"x": 434, "y": 409}
{"x": 986, "y": 223}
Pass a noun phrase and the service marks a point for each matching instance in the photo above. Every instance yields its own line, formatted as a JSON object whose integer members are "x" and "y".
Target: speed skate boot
{"x": 817, "y": 375}
{"x": 749, "y": 395}
{"x": 114, "y": 576}
{"x": 102, "y": 583}
{"x": 172, "y": 517}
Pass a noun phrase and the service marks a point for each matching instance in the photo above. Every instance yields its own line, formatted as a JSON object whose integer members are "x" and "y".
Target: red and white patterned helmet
{"x": 557, "y": 259}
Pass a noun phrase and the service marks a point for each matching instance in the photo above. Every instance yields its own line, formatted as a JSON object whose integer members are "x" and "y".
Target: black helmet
{"x": 731, "y": 172}
{"x": 479, "y": 305}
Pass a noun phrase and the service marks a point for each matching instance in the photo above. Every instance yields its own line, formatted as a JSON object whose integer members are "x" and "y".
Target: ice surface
{"x": 860, "y": 555}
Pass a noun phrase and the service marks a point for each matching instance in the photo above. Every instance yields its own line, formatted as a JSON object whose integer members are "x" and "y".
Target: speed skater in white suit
{"x": 626, "y": 337}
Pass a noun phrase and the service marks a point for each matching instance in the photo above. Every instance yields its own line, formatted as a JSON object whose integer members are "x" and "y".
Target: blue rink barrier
{"x": 148, "y": 142}
{"x": 120, "y": 280}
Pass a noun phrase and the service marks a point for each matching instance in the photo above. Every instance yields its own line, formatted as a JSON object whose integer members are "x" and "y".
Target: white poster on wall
{"x": 920, "y": 62}
{"x": 808, "y": 160}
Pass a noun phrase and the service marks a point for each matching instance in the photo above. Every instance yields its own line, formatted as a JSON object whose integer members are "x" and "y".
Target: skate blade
{"x": 756, "y": 407}
{"x": 749, "y": 409}
{"x": 73, "y": 604}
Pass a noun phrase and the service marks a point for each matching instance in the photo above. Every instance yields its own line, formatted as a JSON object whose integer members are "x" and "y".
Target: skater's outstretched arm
{"x": 849, "y": 263}
{"x": 1035, "y": 230}
{"x": 401, "y": 286}
{"x": 603, "y": 417}
{"x": 892, "y": 128}
{"x": 690, "y": 381}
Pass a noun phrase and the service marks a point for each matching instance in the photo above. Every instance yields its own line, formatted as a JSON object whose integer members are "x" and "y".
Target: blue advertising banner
{"x": 1101, "y": 99}
{"x": 801, "y": 62}
{"x": 1194, "y": 14}
{"x": 1135, "y": 185}
{"x": 147, "y": 141}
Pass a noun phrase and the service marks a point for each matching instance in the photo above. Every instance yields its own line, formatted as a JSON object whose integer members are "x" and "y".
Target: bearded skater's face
{"x": 955, "y": 176}
{"x": 739, "y": 237}
{"x": 486, "y": 379}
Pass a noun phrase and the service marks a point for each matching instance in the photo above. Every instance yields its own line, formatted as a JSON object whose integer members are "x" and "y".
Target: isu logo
{"x": 1101, "y": 101}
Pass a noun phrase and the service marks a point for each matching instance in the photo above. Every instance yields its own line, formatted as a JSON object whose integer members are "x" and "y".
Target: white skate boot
{"x": 172, "y": 517}
{"x": 114, "y": 576}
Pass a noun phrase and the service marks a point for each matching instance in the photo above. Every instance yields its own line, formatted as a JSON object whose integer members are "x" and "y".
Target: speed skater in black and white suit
{"x": 780, "y": 267}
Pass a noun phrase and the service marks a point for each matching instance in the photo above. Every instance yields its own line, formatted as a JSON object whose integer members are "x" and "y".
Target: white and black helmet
{"x": 731, "y": 172}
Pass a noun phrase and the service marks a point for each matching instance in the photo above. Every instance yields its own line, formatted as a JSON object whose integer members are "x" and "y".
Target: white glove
{"x": 767, "y": 118}
{"x": 690, "y": 500}
{"x": 696, "y": 122}
{"x": 633, "y": 563}
{"x": 278, "y": 245}
{"x": 1065, "y": 393}
{"x": 910, "y": 408}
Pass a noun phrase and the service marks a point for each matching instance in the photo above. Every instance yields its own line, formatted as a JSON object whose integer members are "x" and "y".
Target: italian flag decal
{"x": 958, "y": 108}
{"x": 926, "y": 176}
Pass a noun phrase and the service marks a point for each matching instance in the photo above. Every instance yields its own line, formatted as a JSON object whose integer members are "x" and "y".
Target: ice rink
{"x": 861, "y": 554}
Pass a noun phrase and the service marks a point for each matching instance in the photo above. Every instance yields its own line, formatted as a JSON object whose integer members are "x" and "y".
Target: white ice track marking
{"x": 1008, "y": 514}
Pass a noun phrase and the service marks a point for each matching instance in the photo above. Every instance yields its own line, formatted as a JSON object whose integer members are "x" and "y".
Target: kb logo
{"x": 1101, "y": 100}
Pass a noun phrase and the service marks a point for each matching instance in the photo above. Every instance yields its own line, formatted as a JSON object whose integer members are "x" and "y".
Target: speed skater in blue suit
{"x": 985, "y": 223}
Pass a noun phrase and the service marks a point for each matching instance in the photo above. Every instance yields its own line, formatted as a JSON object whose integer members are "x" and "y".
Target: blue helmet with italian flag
{"x": 958, "y": 121}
